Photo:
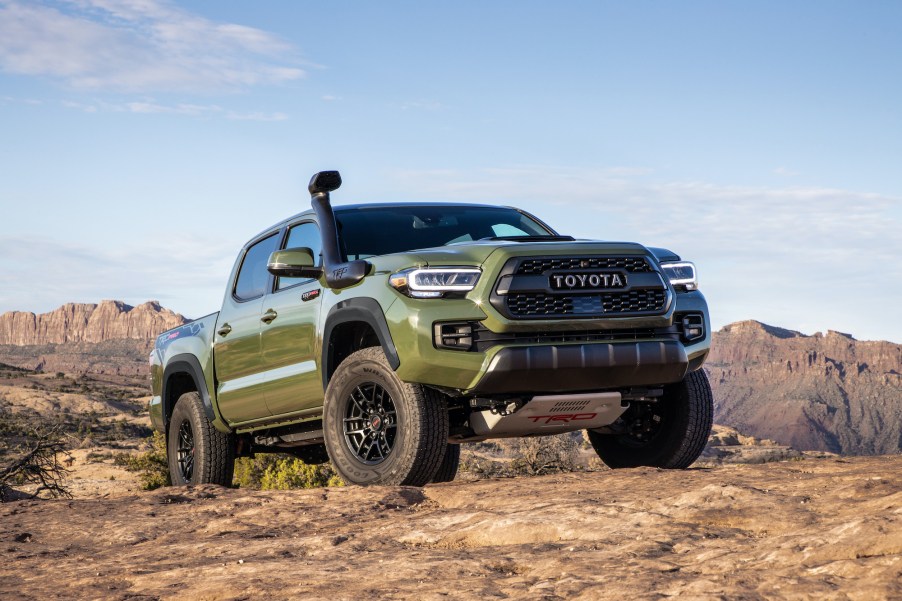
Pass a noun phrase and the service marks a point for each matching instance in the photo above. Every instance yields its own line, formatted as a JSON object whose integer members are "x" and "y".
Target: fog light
{"x": 693, "y": 327}
{"x": 457, "y": 336}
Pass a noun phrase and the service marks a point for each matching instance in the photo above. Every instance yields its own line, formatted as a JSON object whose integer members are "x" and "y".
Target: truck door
{"x": 290, "y": 345}
{"x": 236, "y": 347}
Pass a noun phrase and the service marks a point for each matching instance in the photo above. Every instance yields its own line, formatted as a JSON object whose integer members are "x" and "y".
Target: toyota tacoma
{"x": 382, "y": 336}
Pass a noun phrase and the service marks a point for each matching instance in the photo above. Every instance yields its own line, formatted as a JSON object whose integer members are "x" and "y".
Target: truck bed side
{"x": 182, "y": 357}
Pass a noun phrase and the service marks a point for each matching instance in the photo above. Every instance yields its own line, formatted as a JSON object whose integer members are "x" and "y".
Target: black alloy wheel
{"x": 186, "y": 451}
{"x": 645, "y": 424}
{"x": 380, "y": 430}
{"x": 370, "y": 423}
{"x": 196, "y": 451}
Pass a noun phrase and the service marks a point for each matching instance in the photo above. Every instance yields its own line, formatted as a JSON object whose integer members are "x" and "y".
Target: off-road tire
{"x": 213, "y": 451}
{"x": 447, "y": 469}
{"x": 420, "y": 423}
{"x": 686, "y": 411}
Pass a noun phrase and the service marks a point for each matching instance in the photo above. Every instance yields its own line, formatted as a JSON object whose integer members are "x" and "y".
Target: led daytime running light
{"x": 681, "y": 274}
{"x": 434, "y": 281}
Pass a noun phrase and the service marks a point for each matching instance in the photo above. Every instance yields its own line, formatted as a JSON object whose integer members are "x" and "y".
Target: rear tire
{"x": 379, "y": 429}
{"x": 197, "y": 452}
{"x": 670, "y": 434}
{"x": 447, "y": 470}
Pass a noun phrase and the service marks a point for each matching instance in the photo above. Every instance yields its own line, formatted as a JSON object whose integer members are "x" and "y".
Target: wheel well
{"x": 347, "y": 338}
{"x": 177, "y": 385}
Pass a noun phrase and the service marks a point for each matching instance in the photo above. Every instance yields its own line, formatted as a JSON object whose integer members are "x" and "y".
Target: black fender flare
{"x": 187, "y": 364}
{"x": 367, "y": 310}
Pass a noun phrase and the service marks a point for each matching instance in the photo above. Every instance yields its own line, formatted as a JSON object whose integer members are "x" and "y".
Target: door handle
{"x": 225, "y": 329}
{"x": 269, "y": 316}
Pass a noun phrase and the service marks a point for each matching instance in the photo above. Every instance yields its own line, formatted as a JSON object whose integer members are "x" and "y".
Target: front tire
{"x": 670, "y": 434}
{"x": 379, "y": 429}
{"x": 197, "y": 452}
{"x": 447, "y": 469}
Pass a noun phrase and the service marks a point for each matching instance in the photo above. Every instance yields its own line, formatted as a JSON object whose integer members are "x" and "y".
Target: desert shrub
{"x": 269, "y": 471}
{"x": 38, "y": 464}
{"x": 152, "y": 465}
{"x": 523, "y": 456}
{"x": 483, "y": 467}
{"x": 546, "y": 454}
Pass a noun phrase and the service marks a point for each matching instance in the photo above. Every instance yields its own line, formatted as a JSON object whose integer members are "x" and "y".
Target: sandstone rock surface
{"x": 810, "y": 529}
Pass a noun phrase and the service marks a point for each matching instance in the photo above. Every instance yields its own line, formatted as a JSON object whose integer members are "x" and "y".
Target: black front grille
{"x": 540, "y": 266}
{"x": 531, "y": 288}
{"x": 608, "y": 303}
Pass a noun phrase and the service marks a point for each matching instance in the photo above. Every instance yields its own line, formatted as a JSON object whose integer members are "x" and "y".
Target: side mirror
{"x": 294, "y": 263}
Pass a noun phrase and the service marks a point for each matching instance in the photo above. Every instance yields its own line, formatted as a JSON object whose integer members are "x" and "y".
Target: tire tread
{"x": 447, "y": 469}
{"x": 215, "y": 450}
{"x": 425, "y": 405}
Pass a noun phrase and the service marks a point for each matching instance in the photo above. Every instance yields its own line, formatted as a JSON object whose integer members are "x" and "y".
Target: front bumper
{"x": 551, "y": 356}
{"x": 583, "y": 367}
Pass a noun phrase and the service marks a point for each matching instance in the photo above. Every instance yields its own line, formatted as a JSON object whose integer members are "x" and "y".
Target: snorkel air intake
{"x": 339, "y": 274}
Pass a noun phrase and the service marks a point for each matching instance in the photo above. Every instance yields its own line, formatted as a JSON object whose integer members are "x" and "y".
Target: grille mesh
{"x": 539, "y": 266}
{"x": 541, "y": 304}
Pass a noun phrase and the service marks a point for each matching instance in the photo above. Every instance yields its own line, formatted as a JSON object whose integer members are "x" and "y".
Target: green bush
{"x": 262, "y": 472}
{"x": 153, "y": 465}
{"x": 282, "y": 472}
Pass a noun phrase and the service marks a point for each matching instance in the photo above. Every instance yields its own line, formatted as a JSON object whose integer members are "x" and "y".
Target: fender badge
{"x": 310, "y": 295}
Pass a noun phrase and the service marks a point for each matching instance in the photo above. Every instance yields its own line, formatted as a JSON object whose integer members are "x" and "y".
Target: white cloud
{"x": 138, "y": 45}
{"x": 151, "y": 107}
{"x": 178, "y": 109}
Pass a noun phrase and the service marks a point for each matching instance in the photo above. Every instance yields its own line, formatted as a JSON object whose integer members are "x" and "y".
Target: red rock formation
{"x": 76, "y": 322}
{"x": 825, "y": 392}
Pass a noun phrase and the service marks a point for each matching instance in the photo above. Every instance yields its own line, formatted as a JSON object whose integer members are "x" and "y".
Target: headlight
{"x": 681, "y": 274}
{"x": 434, "y": 282}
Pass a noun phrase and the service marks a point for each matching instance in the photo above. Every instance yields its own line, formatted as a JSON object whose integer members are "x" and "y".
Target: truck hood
{"x": 477, "y": 253}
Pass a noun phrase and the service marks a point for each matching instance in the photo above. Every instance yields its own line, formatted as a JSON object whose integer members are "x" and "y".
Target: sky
{"x": 143, "y": 142}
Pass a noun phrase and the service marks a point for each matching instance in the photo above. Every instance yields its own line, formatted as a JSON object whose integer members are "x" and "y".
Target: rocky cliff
{"x": 78, "y": 322}
{"x": 108, "y": 338}
{"x": 825, "y": 392}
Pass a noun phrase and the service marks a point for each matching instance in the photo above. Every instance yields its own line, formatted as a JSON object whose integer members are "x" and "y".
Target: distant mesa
{"x": 824, "y": 392}
{"x": 752, "y": 326}
{"x": 81, "y": 322}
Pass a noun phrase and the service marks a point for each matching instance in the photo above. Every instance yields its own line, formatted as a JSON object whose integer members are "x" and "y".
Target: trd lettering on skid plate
{"x": 564, "y": 418}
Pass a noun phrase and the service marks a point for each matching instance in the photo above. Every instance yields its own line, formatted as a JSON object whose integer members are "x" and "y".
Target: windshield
{"x": 365, "y": 232}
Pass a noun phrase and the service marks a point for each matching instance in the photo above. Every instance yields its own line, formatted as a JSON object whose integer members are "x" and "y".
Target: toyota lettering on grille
{"x": 595, "y": 280}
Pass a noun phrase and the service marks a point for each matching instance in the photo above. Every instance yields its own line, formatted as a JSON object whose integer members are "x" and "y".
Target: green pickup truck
{"x": 382, "y": 336}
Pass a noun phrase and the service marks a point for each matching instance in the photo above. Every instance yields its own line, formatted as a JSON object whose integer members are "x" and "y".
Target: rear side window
{"x": 303, "y": 235}
{"x": 252, "y": 276}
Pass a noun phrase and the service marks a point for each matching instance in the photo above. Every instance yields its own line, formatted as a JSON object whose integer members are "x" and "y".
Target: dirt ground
{"x": 807, "y": 529}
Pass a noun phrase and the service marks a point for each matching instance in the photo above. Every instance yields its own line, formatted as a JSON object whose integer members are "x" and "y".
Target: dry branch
{"x": 40, "y": 465}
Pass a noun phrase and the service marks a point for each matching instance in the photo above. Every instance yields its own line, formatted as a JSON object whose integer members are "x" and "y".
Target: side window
{"x": 252, "y": 276}
{"x": 303, "y": 235}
